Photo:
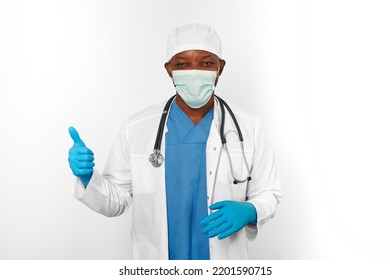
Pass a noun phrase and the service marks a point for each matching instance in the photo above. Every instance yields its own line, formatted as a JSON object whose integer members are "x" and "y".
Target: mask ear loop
{"x": 170, "y": 68}
{"x": 217, "y": 77}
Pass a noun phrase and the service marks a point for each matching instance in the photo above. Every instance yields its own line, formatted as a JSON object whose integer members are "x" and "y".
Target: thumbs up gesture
{"x": 80, "y": 158}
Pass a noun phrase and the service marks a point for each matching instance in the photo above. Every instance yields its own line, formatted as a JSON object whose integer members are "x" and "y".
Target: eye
{"x": 208, "y": 63}
{"x": 180, "y": 64}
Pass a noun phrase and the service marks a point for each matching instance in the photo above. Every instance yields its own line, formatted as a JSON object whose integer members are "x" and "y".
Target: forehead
{"x": 194, "y": 54}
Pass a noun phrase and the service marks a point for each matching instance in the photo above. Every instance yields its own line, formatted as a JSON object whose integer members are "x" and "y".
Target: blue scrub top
{"x": 186, "y": 186}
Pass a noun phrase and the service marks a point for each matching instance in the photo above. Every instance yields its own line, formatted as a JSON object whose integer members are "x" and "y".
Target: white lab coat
{"x": 129, "y": 181}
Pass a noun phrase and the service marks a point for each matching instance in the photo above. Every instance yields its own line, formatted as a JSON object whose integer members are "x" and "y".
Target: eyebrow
{"x": 206, "y": 56}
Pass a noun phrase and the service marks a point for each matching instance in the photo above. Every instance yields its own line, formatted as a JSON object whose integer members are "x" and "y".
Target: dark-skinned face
{"x": 195, "y": 59}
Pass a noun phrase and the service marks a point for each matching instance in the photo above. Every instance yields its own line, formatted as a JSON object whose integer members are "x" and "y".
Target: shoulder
{"x": 147, "y": 114}
{"x": 241, "y": 112}
{"x": 142, "y": 126}
{"x": 243, "y": 115}
{"x": 251, "y": 124}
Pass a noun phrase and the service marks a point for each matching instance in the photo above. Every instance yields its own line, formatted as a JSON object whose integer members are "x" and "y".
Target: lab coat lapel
{"x": 213, "y": 149}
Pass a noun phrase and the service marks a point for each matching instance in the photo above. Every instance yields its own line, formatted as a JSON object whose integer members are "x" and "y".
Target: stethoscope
{"x": 157, "y": 159}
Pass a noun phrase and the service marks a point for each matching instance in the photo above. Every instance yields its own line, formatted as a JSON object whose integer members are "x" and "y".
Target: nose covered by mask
{"x": 195, "y": 87}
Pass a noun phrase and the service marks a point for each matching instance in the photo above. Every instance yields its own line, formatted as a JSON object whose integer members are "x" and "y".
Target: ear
{"x": 221, "y": 66}
{"x": 168, "y": 68}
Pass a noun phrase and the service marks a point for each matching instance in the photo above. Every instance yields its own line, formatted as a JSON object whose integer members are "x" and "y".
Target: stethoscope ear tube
{"x": 235, "y": 181}
{"x": 223, "y": 139}
{"x": 233, "y": 117}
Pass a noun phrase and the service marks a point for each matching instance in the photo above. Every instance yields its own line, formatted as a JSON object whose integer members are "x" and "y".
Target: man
{"x": 202, "y": 189}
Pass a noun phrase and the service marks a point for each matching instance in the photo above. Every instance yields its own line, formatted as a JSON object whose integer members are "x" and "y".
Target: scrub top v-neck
{"x": 186, "y": 187}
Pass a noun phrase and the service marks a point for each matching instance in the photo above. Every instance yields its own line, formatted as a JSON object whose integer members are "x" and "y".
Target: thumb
{"x": 76, "y": 137}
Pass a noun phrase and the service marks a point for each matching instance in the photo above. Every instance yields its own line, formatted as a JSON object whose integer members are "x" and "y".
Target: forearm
{"x": 103, "y": 196}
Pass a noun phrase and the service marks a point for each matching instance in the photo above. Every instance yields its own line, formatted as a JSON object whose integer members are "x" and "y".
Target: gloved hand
{"x": 230, "y": 218}
{"x": 80, "y": 158}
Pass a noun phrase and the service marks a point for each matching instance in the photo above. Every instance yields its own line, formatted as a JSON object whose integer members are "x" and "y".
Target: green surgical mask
{"x": 195, "y": 87}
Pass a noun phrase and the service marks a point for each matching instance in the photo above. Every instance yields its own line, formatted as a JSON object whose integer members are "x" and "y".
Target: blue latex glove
{"x": 230, "y": 218}
{"x": 80, "y": 158}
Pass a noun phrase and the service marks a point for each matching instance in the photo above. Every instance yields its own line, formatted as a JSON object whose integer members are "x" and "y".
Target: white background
{"x": 316, "y": 71}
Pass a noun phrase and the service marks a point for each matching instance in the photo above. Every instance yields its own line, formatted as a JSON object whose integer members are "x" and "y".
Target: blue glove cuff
{"x": 253, "y": 215}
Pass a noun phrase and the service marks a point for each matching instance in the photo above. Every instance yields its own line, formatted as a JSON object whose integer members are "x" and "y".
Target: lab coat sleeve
{"x": 109, "y": 193}
{"x": 264, "y": 189}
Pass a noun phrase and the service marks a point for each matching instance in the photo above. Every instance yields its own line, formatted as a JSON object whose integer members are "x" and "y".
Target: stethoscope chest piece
{"x": 156, "y": 158}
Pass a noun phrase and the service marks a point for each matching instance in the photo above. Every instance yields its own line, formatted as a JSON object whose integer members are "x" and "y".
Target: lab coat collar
{"x": 217, "y": 112}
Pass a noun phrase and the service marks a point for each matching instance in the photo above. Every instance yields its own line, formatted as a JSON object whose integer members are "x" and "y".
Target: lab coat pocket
{"x": 145, "y": 177}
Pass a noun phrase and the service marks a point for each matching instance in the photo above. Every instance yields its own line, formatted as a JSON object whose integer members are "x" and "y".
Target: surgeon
{"x": 206, "y": 196}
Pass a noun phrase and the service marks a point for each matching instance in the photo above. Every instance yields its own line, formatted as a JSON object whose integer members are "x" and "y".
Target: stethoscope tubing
{"x": 160, "y": 131}
{"x": 157, "y": 159}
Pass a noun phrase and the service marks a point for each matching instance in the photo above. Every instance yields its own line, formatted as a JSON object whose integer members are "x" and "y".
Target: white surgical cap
{"x": 193, "y": 37}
